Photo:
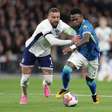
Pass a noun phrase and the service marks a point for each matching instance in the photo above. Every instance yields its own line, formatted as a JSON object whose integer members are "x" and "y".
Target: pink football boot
{"x": 23, "y": 100}
{"x": 46, "y": 90}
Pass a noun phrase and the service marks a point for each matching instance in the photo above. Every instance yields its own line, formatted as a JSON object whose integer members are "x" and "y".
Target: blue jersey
{"x": 89, "y": 50}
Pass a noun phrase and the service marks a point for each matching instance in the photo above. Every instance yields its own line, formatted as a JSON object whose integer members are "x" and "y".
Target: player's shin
{"x": 46, "y": 83}
{"x": 92, "y": 85}
{"x": 47, "y": 79}
{"x": 67, "y": 70}
{"x": 24, "y": 84}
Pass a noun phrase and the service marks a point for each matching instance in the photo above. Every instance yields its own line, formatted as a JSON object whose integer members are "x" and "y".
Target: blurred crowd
{"x": 19, "y": 18}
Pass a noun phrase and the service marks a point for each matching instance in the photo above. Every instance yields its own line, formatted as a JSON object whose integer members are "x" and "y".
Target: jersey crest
{"x": 85, "y": 26}
{"x": 56, "y": 32}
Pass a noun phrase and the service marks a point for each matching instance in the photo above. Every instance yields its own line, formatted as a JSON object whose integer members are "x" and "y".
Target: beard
{"x": 54, "y": 24}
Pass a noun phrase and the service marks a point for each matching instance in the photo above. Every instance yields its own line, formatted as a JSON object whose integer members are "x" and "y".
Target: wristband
{"x": 73, "y": 46}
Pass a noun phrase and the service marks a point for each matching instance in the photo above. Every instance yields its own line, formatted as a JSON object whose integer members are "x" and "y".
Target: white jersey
{"x": 38, "y": 44}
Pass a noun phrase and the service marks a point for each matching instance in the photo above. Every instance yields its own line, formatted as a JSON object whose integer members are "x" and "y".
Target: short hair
{"x": 75, "y": 11}
{"x": 53, "y": 9}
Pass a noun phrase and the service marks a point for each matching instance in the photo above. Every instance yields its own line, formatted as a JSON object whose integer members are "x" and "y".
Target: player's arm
{"x": 69, "y": 31}
{"x": 57, "y": 42}
{"x": 79, "y": 42}
{"x": 85, "y": 39}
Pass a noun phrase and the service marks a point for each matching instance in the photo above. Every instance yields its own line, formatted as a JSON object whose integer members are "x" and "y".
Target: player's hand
{"x": 76, "y": 39}
{"x": 67, "y": 50}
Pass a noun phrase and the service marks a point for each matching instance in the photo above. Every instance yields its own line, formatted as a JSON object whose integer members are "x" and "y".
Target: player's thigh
{"x": 71, "y": 64}
{"x": 45, "y": 63}
{"x": 26, "y": 70}
{"x": 47, "y": 71}
{"x": 77, "y": 59}
{"x": 93, "y": 68}
{"x": 28, "y": 61}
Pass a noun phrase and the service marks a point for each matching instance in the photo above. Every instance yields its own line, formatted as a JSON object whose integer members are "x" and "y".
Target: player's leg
{"x": 27, "y": 64}
{"x": 26, "y": 73}
{"x": 74, "y": 61}
{"x": 90, "y": 79}
{"x": 66, "y": 74}
{"x": 46, "y": 66}
{"x": 92, "y": 85}
{"x": 47, "y": 81}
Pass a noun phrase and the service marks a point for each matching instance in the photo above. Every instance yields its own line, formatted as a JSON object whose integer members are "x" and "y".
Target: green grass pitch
{"x": 10, "y": 93}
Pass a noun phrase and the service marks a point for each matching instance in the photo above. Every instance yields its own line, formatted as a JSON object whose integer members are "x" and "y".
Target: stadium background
{"x": 19, "y": 18}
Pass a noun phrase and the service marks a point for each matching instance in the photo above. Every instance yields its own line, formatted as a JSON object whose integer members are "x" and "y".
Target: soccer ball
{"x": 70, "y": 100}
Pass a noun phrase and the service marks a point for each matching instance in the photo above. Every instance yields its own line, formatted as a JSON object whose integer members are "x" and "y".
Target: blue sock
{"x": 92, "y": 85}
{"x": 67, "y": 70}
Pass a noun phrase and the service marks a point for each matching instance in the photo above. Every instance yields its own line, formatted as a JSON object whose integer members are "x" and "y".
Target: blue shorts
{"x": 29, "y": 59}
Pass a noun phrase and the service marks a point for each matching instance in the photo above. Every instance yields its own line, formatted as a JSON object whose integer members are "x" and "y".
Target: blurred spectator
{"x": 105, "y": 72}
{"x": 19, "y": 18}
{"x": 103, "y": 32}
{"x": 110, "y": 51}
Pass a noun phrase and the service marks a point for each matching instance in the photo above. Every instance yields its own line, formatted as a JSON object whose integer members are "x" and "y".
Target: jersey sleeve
{"x": 55, "y": 41}
{"x": 44, "y": 29}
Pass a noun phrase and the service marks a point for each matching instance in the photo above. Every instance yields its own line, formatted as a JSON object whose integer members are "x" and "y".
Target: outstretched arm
{"x": 84, "y": 40}
{"x": 78, "y": 43}
{"x": 58, "y": 42}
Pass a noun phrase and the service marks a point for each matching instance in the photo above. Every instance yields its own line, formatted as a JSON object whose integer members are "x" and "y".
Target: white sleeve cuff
{"x": 73, "y": 46}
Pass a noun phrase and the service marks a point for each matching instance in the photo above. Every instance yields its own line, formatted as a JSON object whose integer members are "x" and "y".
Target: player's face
{"x": 76, "y": 20}
{"x": 54, "y": 18}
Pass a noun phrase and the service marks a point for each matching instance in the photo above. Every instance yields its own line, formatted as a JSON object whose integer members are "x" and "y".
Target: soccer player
{"x": 85, "y": 53}
{"x": 38, "y": 47}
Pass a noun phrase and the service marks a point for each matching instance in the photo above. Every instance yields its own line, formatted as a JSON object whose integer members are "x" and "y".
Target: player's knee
{"x": 48, "y": 79}
{"x": 48, "y": 82}
{"x": 26, "y": 70}
{"x": 89, "y": 80}
{"x": 24, "y": 80}
{"x": 67, "y": 69}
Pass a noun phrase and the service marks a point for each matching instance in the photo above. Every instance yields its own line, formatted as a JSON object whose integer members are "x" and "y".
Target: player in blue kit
{"x": 85, "y": 53}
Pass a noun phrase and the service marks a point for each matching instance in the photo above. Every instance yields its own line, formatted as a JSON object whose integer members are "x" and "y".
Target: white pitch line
{"x": 41, "y": 94}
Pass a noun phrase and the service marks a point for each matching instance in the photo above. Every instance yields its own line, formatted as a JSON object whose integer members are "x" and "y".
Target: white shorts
{"x": 79, "y": 60}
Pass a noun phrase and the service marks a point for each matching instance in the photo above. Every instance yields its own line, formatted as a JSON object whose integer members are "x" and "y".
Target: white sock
{"x": 47, "y": 79}
{"x": 24, "y": 80}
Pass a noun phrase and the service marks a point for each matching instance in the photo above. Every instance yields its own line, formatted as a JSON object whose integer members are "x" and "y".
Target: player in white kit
{"x": 38, "y": 48}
